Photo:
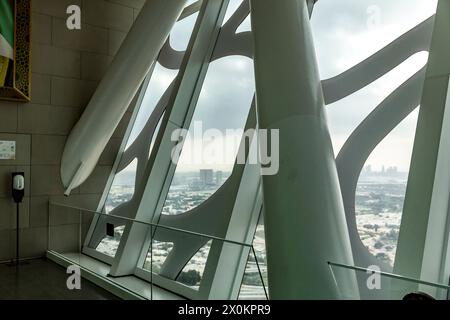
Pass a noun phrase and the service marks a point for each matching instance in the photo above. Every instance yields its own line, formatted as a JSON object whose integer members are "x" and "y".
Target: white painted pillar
{"x": 305, "y": 221}
{"x": 423, "y": 245}
{"x": 117, "y": 89}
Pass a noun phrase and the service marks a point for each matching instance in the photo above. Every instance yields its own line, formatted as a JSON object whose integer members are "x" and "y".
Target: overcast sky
{"x": 345, "y": 33}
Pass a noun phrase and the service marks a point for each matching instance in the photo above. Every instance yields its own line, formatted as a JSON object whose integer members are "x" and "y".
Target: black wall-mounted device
{"x": 110, "y": 230}
{"x": 18, "y": 186}
{"x": 18, "y": 192}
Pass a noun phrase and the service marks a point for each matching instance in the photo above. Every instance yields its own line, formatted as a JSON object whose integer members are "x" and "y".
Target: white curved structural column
{"x": 423, "y": 245}
{"x": 304, "y": 222}
{"x": 117, "y": 89}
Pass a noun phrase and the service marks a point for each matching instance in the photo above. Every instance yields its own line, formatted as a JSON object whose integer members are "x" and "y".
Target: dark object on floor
{"x": 418, "y": 296}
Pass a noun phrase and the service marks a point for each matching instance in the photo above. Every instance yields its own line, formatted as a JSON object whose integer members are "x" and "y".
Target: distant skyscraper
{"x": 392, "y": 170}
{"x": 219, "y": 177}
{"x": 206, "y": 176}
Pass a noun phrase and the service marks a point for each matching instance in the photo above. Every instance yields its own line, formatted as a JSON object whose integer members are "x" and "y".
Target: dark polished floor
{"x": 44, "y": 280}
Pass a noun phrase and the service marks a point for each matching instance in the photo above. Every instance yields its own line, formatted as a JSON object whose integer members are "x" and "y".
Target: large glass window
{"x": 346, "y": 33}
{"x": 210, "y": 149}
{"x": 207, "y": 157}
{"x": 159, "y": 82}
{"x": 123, "y": 187}
{"x": 381, "y": 191}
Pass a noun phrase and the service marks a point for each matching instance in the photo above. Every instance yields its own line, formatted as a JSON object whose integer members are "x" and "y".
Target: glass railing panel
{"x": 157, "y": 255}
{"x": 254, "y": 284}
{"x": 69, "y": 226}
{"x": 183, "y": 258}
{"x": 374, "y": 284}
{"x": 177, "y": 258}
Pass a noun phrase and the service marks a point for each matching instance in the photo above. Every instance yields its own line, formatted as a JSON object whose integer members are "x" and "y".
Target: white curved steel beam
{"x": 232, "y": 43}
{"x": 168, "y": 56}
{"x": 416, "y": 40}
{"x": 139, "y": 50}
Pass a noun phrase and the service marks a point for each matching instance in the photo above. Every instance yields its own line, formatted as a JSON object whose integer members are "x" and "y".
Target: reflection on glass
{"x": 210, "y": 149}
{"x": 381, "y": 191}
{"x": 159, "y": 254}
{"x": 252, "y": 287}
{"x": 192, "y": 273}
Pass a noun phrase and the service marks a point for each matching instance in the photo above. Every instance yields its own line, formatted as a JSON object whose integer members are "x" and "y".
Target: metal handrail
{"x": 153, "y": 225}
{"x": 390, "y": 275}
{"x": 198, "y": 234}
